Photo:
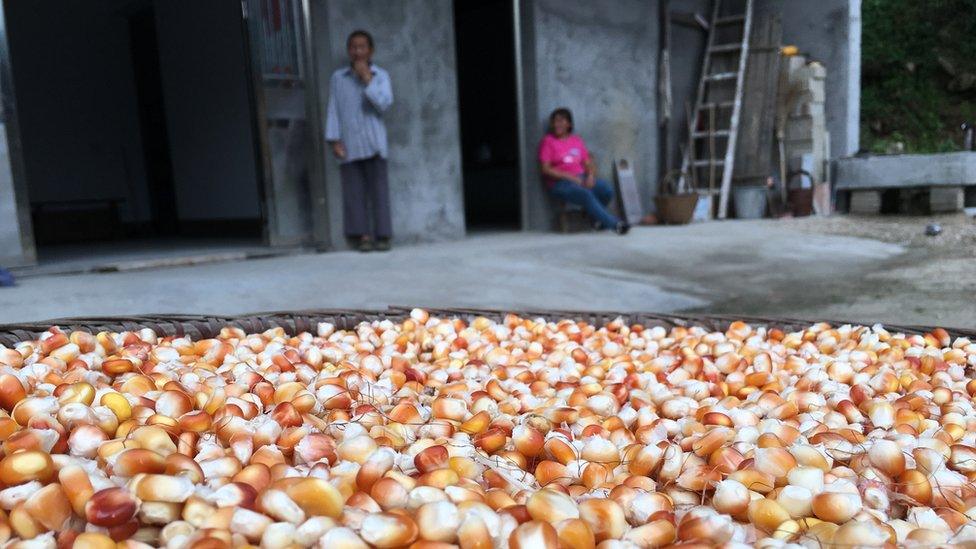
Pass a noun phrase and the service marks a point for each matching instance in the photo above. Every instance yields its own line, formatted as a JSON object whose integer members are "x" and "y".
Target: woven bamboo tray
{"x": 207, "y": 326}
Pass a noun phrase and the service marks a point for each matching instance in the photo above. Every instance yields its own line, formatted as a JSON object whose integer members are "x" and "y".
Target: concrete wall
{"x": 687, "y": 48}
{"x": 598, "y": 58}
{"x": 415, "y": 44}
{"x": 208, "y": 113}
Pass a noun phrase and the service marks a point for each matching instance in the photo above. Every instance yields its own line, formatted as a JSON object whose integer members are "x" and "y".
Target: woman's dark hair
{"x": 563, "y": 112}
{"x": 360, "y": 32}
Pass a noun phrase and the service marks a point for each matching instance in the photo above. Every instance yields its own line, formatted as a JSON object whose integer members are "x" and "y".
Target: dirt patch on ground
{"x": 932, "y": 283}
{"x": 958, "y": 236}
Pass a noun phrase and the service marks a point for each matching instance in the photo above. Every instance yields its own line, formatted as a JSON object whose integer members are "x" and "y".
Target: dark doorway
{"x": 152, "y": 122}
{"x": 136, "y": 125}
{"x": 485, "y": 42}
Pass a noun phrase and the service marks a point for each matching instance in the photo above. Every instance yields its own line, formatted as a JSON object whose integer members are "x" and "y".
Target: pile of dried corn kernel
{"x": 438, "y": 433}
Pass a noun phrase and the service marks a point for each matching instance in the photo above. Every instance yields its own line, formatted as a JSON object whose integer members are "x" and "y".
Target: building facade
{"x": 182, "y": 118}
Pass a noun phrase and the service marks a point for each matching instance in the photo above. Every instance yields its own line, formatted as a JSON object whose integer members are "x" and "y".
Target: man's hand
{"x": 338, "y": 149}
{"x": 361, "y": 67}
{"x": 590, "y": 181}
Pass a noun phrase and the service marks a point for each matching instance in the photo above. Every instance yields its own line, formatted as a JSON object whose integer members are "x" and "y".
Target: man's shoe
{"x": 622, "y": 228}
{"x": 365, "y": 246}
{"x": 383, "y": 245}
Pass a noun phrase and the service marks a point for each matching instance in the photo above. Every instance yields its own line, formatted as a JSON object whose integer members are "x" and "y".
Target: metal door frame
{"x": 315, "y": 158}
{"x": 262, "y": 150}
{"x": 523, "y": 162}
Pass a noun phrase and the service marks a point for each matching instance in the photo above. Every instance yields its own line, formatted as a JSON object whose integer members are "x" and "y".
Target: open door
{"x": 484, "y": 34}
{"x": 287, "y": 121}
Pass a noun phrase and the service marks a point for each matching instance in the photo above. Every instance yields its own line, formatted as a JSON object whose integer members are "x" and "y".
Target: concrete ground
{"x": 135, "y": 254}
{"x": 763, "y": 267}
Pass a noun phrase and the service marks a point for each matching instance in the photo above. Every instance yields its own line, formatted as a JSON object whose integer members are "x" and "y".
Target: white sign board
{"x": 628, "y": 197}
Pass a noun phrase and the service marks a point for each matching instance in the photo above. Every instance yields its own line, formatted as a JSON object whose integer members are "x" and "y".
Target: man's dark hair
{"x": 364, "y": 34}
{"x": 563, "y": 112}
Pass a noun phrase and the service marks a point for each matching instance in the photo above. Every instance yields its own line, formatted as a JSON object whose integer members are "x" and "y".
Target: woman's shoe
{"x": 383, "y": 244}
{"x": 365, "y": 246}
{"x": 622, "y": 228}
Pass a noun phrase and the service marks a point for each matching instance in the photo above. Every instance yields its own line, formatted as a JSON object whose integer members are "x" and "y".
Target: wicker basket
{"x": 202, "y": 327}
{"x": 676, "y": 209}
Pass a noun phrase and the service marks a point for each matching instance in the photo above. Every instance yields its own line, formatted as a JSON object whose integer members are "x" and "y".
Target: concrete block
{"x": 795, "y": 63}
{"x": 814, "y": 144}
{"x": 946, "y": 199}
{"x": 811, "y": 85}
{"x": 805, "y": 127}
{"x": 865, "y": 202}
{"x": 803, "y": 99}
{"x": 815, "y": 94}
{"x": 799, "y": 147}
{"x": 799, "y": 127}
{"x": 794, "y": 68}
{"x": 811, "y": 109}
{"x": 907, "y": 170}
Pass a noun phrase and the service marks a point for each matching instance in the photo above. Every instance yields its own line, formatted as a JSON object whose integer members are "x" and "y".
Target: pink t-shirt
{"x": 568, "y": 154}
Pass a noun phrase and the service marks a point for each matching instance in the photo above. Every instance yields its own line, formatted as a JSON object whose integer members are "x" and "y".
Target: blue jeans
{"x": 594, "y": 200}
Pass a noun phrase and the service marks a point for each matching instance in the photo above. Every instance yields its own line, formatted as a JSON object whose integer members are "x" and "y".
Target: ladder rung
{"x": 721, "y": 76}
{"x": 726, "y": 48}
{"x": 730, "y": 20}
{"x": 716, "y": 133}
{"x": 706, "y": 163}
{"x": 719, "y": 105}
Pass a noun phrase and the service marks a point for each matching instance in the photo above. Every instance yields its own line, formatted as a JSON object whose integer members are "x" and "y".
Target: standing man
{"x": 358, "y": 96}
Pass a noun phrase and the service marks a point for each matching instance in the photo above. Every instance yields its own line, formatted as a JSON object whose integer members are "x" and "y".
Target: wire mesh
{"x": 293, "y": 322}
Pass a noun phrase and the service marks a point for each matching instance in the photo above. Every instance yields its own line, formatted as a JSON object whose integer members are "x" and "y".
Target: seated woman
{"x": 570, "y": 172}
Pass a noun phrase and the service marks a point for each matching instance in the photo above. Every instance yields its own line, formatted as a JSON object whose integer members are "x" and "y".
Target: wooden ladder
{"x": 718, "y": 102}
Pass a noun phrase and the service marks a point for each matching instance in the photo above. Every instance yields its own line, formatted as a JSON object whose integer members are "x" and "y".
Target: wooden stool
{"x": 567, "y": 211}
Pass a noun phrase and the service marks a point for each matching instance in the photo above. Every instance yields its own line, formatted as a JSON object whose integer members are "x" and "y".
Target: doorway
{"x": 152, "y": 121}
{"x": 484, "y": 34}
{"x": 136, "y": 126}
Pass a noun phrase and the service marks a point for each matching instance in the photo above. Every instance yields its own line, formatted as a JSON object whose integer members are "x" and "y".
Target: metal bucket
{"x": 750, "y": 202}
{"x": 703, "y": 209}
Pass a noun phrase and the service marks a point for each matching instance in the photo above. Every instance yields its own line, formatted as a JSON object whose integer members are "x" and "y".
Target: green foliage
{"x": 918, "y": 73}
